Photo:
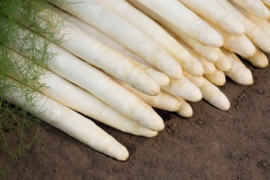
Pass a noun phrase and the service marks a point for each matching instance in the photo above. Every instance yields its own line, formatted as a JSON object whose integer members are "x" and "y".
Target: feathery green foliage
{"x": 16, "y": 125}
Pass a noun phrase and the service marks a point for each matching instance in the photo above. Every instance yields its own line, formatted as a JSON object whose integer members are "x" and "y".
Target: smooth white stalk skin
{"x": 117, "y": 28}
{"x": 105, "y": 39}
{"x": 214, "y": 96}
{"x": 181, "y": 18}
{"x": 255, "y": 7}
{"x": 207, "y": 52}
{"x": 253, "y": 31}
{"x": 163, "y": 100}
{"x": 71, "y": 123}
{"x": 208, "y": 67}
{"x": 198, "y": 81}
{"x": 259, "y": 59}
{"x": 155, "y": 32}
{"x": 183, "y": 88}
{"x": 99, "y": 84}
{"x": 93, "y": 51}
{"x": 110, "y": 92}
{"x": 77, "y": 99}
{"x": 263, "y": 24}
{"x": 185, "y": 109}
{"x": 238, "y": 44}
{"x": 216, "y": 14}
{"x": 218, "y": 78}
{"x": 223, "y": 63}
{"x": 266, "y": 2}
{"x": 161, "y": 78}
{"x": 238, "y": 73}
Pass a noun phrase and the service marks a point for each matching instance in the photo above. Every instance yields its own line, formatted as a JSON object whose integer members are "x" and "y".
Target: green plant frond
{"x": 15, "y": 16}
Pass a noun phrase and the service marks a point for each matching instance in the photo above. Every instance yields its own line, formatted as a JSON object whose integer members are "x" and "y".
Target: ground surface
{"x": 210, "y": 145}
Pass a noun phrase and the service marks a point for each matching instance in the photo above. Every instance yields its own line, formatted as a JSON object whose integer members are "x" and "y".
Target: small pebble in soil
{"x": 261, "y": 91}
{"x": 249, "y": 155}
{"x": 110, "y": 171}
{"x": 200, "y": 122}
{"x": 264, "y": 164}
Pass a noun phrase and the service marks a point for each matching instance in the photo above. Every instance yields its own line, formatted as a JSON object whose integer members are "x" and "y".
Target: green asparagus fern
{"x": 15, "y": 123}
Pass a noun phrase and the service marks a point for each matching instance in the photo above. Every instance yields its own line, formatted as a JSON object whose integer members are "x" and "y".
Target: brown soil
{"x": 211, "y": 145}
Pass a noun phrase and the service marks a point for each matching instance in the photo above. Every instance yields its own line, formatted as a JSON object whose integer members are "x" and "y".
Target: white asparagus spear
{"x": 238, "y": 73}
{"x": 255, "y": 7}
{"x": 263, "y": 24}
{"x": 155, "y": 32}
{"x": 253, "y": 32}
{"x": 161, "y": 78}
{"x": 211, "y": 93}
{"x": 216, "y": 14}
{"x": 105, "y": 39}
{"x": 77, "y": 99}
{"x": 99, "y": 84}
{"x": 163, "y": 100}
{"x": 223, "y": 63}
{"x": 266, "y": 2}
{"x": 217, "y": 78}
{"x": 198, "y": 81}
{"x": 89, "y": 105}
{"x": 185, "y": 109}
{"x": 111, "y": 93}
{"x": 114, "y": 26}
{"x": 259, "y": 59}
{"x": 68, "y": 121}
{"x": 180, "y": 18}
{"x": 209, "y": 68}
{"x": 183, "y": 88}
{"x": 238, "y": 44}
{"x": 91, "y": 50}
{"x": 209, "y": 53}
{"x": 214, "y": 96}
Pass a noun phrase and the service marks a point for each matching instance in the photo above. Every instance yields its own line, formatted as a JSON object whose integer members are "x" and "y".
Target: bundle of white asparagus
{"x": 117, "y": 59}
